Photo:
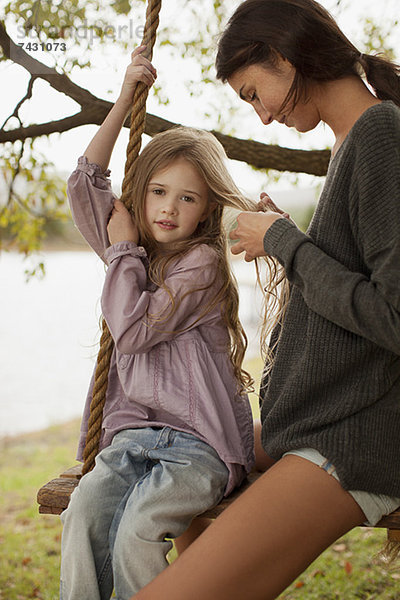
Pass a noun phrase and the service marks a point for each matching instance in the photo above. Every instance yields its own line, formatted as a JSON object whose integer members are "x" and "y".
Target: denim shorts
{"x": 374, "y": 506}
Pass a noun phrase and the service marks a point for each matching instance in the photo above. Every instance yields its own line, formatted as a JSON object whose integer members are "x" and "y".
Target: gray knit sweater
{"x": 335, "y": 384}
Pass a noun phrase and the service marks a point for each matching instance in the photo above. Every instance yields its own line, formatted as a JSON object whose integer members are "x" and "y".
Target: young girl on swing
{"x": 177, "y": 428}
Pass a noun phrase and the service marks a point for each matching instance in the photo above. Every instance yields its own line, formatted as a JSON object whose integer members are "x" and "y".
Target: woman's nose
{"x": 265, "y": 118}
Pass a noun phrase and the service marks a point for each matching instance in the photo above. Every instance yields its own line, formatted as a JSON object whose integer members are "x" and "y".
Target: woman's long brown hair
{"x": 305, "y": 34}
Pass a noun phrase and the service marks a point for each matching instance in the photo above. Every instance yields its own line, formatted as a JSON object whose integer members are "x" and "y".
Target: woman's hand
{"x": 252, "y": 226}
{"x": 266, "y": 203}
{"x": 140, "y": 69}
{"x": 120, "y": 227}
{"x": 250, "y": 232}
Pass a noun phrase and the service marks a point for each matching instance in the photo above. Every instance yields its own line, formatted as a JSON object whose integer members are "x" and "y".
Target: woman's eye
{"x": 253, "y": 97}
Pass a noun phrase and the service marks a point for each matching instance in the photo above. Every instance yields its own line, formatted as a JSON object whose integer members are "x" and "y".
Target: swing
{"x": 54, "y": 496}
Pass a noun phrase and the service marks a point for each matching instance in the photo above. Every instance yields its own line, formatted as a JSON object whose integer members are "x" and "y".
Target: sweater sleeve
{"x": 91, "y": 201}
{"x": 138, "y": 318}
{"x": 368, "y": 306}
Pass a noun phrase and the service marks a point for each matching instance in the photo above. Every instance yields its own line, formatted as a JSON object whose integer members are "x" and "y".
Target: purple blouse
{"x": 175, "y": 372}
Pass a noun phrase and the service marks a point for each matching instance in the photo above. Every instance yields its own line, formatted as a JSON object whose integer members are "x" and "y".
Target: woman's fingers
{"x": 250, "y": 231}
{"x": 266, "y": 203}
{"x": 238, "y": 249}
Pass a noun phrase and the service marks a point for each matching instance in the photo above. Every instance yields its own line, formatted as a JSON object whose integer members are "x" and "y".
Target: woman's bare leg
{"x": 197, "y": 526}
{"x": 264, "y": 540}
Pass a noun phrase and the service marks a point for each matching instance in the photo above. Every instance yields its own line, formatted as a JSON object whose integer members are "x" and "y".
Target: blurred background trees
{"x": 50, "y": 51}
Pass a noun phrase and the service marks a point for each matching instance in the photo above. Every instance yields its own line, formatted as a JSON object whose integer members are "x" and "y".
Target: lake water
{"x": 49, "y": 333}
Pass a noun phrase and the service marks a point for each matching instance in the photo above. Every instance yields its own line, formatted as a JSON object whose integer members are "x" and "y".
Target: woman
{"x": 330, "y": 412}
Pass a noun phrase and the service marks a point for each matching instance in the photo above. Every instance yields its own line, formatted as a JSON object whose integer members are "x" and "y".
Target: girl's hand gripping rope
{"x": 121, "y": 227}
{"x": 140, "y": 69}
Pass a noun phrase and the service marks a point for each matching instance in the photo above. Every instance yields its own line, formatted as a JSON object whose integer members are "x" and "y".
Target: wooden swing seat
{"x": 54, "y": 496}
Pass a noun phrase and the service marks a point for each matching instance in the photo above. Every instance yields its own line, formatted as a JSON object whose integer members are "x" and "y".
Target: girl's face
{"x": 266, "y": 89}
{"x": 176, "y": 202}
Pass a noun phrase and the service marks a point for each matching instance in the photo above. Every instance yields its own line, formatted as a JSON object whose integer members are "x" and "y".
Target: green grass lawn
{"x": 30, "y": 543}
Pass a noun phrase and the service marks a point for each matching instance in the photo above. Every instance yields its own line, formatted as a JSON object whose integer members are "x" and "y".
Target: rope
{"x": 138, "y": 117}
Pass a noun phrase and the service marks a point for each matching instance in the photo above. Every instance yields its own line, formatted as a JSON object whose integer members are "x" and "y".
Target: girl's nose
{"x": 169, "y": 206}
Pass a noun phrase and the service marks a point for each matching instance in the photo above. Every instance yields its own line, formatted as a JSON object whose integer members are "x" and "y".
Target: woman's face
{"x": 266, "y": 88}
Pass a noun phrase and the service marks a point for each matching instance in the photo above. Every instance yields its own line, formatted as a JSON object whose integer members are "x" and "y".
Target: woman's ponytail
{"x": 383, "y": 76}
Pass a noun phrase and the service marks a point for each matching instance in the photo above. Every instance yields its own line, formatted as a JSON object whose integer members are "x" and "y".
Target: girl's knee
{"x": 139, "y": 538}
{"x": 84, "y": 501}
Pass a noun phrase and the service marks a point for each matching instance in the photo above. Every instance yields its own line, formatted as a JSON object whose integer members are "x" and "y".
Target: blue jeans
{"x": 146, "y": 487}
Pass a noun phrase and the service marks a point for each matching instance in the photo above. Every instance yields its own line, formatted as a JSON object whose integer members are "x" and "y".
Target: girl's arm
{"x": 128, "y": 306}
{"x": 89, "y": 190}
{"x": 100, "y": 148}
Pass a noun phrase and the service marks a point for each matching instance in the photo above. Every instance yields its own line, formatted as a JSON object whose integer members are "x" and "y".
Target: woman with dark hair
{"x": 330, "y": 393}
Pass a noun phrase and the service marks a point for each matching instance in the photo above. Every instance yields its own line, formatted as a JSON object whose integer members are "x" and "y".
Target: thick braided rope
{"x": 138, "y": 116}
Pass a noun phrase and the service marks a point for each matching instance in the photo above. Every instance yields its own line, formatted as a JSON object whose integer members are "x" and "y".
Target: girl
{"x": 177, "y": 427}
{"x": 331, "y": 410}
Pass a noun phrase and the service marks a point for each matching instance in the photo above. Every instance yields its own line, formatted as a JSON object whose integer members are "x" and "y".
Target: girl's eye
{"x": 187, "y": 198}
{"x": 158, "y": 191}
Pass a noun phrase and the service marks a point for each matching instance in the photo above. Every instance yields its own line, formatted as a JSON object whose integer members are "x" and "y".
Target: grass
{"x": 30, "y": 543}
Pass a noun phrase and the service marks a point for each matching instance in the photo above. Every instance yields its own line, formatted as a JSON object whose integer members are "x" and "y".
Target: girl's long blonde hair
{"x": 207, "y": 155}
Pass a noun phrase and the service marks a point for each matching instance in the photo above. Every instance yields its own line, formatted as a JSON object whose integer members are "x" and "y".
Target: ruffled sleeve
{"x": 91, "y": 200}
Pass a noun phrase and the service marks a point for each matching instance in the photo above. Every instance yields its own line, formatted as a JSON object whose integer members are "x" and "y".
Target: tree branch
{"x": 84, "y": 117}
{"x": 27, "y": 96}
{"x": 59, "y": 81}
{"x": 94, "y": 111}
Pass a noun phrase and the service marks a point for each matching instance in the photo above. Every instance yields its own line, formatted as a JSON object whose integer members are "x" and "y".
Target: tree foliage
{"x": 36, "y": 198}
{"x": 32, "y": 194}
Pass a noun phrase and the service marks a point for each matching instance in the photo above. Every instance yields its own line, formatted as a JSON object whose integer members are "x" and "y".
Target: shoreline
{"x": 57, "y": 429}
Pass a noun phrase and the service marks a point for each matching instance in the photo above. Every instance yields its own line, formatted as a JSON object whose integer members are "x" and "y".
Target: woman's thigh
{"x": 264, "y": 540}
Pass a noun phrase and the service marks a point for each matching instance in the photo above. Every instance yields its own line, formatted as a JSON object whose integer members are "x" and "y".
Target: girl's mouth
{"x": 168, "y": 225}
